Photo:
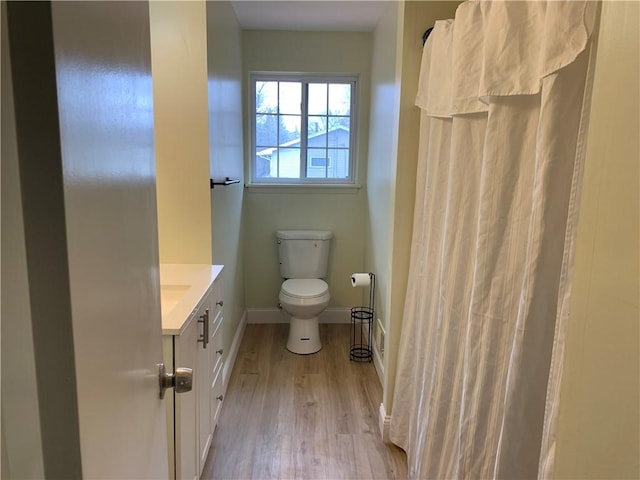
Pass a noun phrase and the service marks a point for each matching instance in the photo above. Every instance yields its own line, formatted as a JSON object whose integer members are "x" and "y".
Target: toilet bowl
{"x": 304, "y": 299}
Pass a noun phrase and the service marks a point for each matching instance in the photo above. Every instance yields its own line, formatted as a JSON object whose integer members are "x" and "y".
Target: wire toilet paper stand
{"x": 361, "y": 349}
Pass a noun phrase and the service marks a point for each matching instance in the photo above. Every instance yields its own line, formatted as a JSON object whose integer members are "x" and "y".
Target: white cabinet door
{"x": 185, "y": 417}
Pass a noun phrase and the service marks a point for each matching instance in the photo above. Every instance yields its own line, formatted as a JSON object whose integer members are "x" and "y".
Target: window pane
{"x": 340, "y": 121}
{"x": 266, "y": 97}
{"x": 317, "y": 99}
{"x": 290, "y": 97}
{"x": 338, "y": 133}
{"x": 316, "y": 128}
{"x": 339, "y": 163}
{"x": 317, "y": 163}
{"x": 339, "y": 99}
{"x": 289, "y": 163}
{"x": 289, "y": 130}
{"x": 266, "y": 130}
{"x": 266, "y": 162}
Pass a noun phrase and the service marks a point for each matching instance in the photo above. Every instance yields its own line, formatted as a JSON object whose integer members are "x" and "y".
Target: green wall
{"x": 224, "y": 59}
{"x": 341, "y": 210}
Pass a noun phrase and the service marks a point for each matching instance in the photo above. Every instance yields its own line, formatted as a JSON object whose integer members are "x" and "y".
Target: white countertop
{"x": 182, "y": 286}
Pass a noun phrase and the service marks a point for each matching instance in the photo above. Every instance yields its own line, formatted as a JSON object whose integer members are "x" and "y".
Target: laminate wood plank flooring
{"x": 288, "y": 416}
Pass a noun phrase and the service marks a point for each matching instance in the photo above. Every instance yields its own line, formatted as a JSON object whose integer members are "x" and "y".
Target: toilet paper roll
{"x": 360, "y": 280}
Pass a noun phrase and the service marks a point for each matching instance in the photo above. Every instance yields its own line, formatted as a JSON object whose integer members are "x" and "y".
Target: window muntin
{"x": 303, "y": 129}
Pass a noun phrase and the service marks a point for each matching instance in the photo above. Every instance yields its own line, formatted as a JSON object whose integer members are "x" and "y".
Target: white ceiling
{"x": 309, "y": 15}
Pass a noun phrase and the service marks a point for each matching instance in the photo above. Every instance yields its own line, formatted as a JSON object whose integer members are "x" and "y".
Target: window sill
{"x": 302, "y": 188}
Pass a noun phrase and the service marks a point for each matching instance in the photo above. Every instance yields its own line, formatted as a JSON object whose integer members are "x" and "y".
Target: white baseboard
{"x": 336, "y": 315}
{"x": 276, "y": 315}
{"x": 266, "y": 315}
{"x": 233, "y": 353}
{"x": 378, "y": 364}
{"x": 384, "y": 424}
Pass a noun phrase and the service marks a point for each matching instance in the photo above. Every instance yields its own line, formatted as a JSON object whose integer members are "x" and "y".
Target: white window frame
{"x": 304, "y": 78}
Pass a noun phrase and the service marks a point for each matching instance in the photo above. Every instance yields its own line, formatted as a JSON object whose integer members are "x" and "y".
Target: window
{"x": 303, "y": 129}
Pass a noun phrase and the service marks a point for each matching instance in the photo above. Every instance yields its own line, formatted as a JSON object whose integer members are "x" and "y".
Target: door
{"x": 84, "y": 122}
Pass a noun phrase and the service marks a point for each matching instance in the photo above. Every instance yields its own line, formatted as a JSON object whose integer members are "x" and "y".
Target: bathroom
{"x": 371, "y": 221}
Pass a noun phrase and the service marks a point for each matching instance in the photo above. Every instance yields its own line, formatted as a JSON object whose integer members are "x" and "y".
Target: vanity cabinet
{"x": 209, "y": 363}
{"x": 195, "y": 342}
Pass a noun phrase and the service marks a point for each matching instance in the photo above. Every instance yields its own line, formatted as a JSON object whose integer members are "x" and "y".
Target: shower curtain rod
{"x": 425, "y": 35}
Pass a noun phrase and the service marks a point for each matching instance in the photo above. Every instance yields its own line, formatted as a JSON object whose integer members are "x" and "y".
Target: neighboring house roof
{"x": 291, "y": 143}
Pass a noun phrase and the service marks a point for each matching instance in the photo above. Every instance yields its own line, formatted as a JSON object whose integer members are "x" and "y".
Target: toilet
{"x": 304, "y": 255}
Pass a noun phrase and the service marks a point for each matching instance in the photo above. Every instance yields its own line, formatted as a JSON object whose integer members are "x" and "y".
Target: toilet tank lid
{"x": 304, "y": 235}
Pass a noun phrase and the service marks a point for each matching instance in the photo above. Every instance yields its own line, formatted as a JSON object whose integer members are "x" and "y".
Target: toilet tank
{"x": 303, "y": 253}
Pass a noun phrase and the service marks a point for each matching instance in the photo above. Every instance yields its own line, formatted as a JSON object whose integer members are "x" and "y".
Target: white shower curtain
{"x": 504, "y": 93}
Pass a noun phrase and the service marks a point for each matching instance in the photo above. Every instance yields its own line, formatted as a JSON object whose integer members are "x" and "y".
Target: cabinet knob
{"x": 220, "y": 397}
{"x": 220, "y": 303}
{"x": 220, "y": 352}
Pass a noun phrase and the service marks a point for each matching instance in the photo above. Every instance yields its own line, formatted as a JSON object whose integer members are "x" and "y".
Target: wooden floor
{"x": 288, "y": 416}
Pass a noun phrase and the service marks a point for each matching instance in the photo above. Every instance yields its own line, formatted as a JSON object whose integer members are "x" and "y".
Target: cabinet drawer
{"x": 217, "y": 398}
{"x": 216, "y": 319}
{"x": 217, "y": 351}
{"x": 216, "y": 300}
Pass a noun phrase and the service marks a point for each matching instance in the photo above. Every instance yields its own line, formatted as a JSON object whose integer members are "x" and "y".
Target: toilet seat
{"x": 306, "y": 288}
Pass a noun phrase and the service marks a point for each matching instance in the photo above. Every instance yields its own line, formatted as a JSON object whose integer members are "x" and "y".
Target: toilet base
{"x": 304, "y": 336}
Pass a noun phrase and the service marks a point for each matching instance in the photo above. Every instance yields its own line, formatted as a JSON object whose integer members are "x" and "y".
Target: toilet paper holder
{"x": 361, "y": 348}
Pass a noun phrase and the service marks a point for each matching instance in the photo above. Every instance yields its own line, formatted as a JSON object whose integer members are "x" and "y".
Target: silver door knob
{"x": 181, "y": 381}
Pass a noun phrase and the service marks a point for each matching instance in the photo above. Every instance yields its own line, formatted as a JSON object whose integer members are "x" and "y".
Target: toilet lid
{"x": 305, "y": 287}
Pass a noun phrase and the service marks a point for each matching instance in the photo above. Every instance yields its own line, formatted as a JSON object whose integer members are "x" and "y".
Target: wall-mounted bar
{"x": 225, "y": 182}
